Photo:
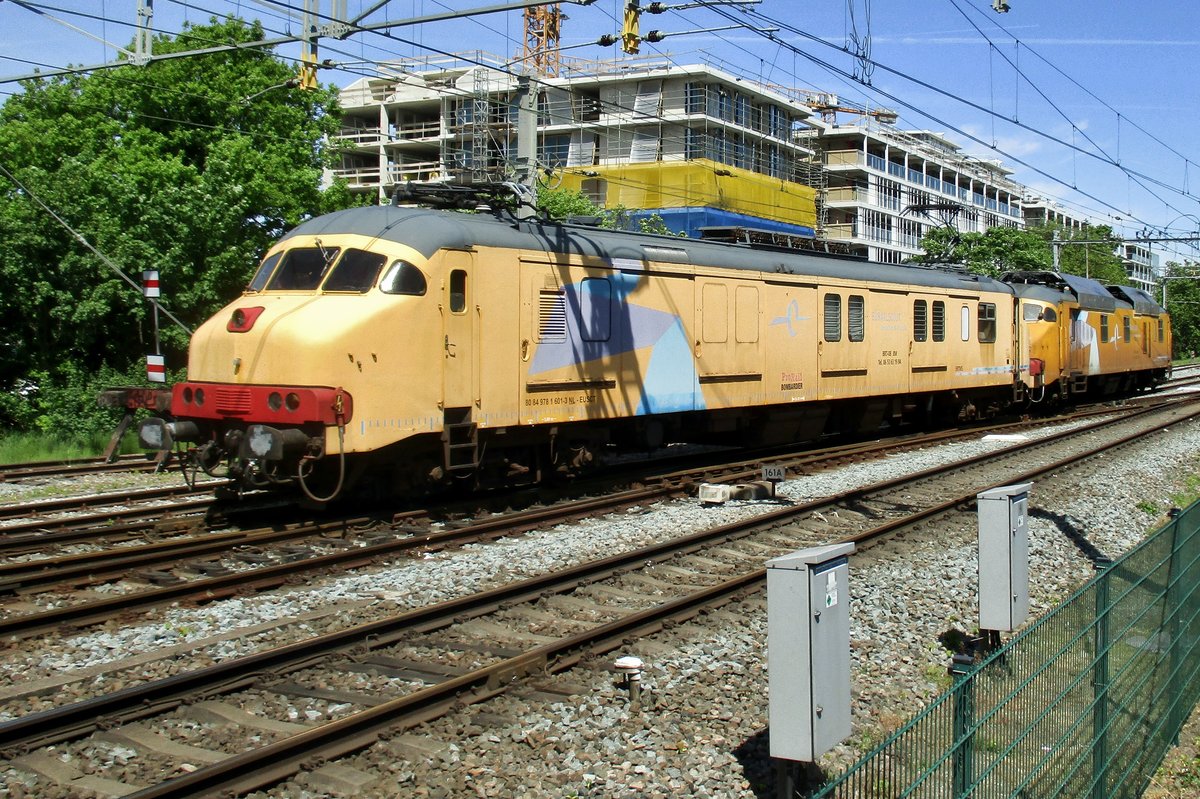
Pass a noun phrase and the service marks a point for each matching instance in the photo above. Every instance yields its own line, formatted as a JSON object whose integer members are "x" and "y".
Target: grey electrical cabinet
{"x": 808, "y": 651}
{"x": 1004, "y": 557}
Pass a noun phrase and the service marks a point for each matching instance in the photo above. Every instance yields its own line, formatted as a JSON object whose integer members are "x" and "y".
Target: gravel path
{"x": 702, "y": 728}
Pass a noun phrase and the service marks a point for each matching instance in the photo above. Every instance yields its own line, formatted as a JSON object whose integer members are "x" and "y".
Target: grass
{"x": 1189, "y": 494}
{"x": 27, "y": 447}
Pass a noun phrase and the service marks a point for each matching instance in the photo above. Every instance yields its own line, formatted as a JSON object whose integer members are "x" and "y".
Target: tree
{"x": 999, "y": 250}
{"x": 560, "y": 203}
{"x": 191, "y": 166}
{"x": 1183, "y": 303}
{"x": 1005, "y": 249}
{"x": 1097, "y": 261}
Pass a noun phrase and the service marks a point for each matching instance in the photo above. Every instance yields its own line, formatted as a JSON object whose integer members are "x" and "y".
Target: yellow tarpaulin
{"x": 699, "y": 183}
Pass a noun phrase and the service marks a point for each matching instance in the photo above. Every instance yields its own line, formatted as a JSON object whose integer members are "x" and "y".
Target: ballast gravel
{"x": 701, "y": 730}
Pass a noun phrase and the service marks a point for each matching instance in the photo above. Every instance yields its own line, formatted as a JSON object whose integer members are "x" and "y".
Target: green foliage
{"x": 1097, "y": 261}
{"x": 191, "y": 166}
{"x": 63, "y": 405}
{"x": 1189, "y": 493}
{"x": 28, "y": 447}
{"x": 999, "y": 250}
{"x": 1005, "y": 249}
{"x": 560, "y": 203}
{"x": 1183, "y": 303}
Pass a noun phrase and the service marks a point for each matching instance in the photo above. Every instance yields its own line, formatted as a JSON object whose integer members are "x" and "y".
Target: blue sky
{"x": 1091, "y": 104}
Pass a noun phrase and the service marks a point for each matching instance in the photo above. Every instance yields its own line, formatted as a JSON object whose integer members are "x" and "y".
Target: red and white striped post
{"x": 150, "y": 283}
{"x": 156, "y": 370}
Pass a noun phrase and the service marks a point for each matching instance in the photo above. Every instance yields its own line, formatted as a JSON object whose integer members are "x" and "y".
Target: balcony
{"x": 838, "y": 158}
{"x": 359, "y": 176}
{"x": 417, "y": 170}
{"x": 842, "y": 231}
{"x": 360, "y": 137}
{"x": 363, "y": 177}
{"x": 424, "y": 129}
{"x": 847, "y": 194}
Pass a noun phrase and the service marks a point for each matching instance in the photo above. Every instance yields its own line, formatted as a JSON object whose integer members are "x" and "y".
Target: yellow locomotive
{"x": 408, "y": 347}
{"x": 1087, "y": 339}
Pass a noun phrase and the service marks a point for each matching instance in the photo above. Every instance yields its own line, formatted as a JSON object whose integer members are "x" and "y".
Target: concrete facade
{"x": 888, "y": 187}
{"x": 435, "y": 119}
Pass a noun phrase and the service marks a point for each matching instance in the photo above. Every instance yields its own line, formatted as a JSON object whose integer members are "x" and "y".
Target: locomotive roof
{"x": 1142, "y": 302}
{"x": 1091, "y": 294}
{"x": 428, "y": 230}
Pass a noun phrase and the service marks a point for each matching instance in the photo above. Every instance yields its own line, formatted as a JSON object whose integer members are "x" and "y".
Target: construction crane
{"x": 542, "y": 27}
{"x": 828, "y": 105}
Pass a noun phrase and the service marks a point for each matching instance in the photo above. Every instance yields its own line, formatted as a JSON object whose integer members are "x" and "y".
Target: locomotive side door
{"x": 460, "y": 355}
{"x": 1082, "y": 343}
{"x": 729, "y": 360}
{"x": 929, "y": 356}
{"x": 842, "y": 349}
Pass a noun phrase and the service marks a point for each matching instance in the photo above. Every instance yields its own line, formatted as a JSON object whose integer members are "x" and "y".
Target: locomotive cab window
{"x": 302, "y": 268}
{"x": 1038, "y": 313}
{"x": 355, "y": 273}
{"x": 458, "y": 291}
{"x": 264, "y": 273}
{"x": 987, "y": 322}
{"x": 1103, "y": 328}
{"x": 403, "y": 278}
{"x": 833, "y": 317}
{"x": 1160, "y": 331}
{"x": 1127, "y": 329}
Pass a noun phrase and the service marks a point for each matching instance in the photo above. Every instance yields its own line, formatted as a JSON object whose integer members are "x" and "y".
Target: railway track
{"x": 202, "y": 566}
{"x": 98, "y": 511}
{"x": 10, "y": 472}
{"x": 476, "y": 646}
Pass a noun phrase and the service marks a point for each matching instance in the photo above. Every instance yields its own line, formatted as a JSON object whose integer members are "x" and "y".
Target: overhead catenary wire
{"x": 1114, "y": 161}
{"x": 391, "y": 36}
{"x": 956, "y": 129}
{"x": 1128, "y": 120}
{"x": 1073, "y": 146}
{"x": 417, "y": 45}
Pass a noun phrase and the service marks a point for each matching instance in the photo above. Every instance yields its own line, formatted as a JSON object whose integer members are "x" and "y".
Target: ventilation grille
{"x": 552, "y": 316}
{"x": 232, "y": 401}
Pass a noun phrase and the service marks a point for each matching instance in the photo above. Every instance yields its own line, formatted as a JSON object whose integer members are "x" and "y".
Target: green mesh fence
{"x": 1084, "y": 703}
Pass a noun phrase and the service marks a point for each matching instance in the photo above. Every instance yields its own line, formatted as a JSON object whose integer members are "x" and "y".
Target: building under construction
{"x": 692, "y": 144}
{"x": 708, "y": 152}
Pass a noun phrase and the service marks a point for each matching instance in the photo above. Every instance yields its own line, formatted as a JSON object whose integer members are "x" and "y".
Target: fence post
{"x": 964, "y": 722}
{"x": 1173, "y": 610}
{"x": 1100, "y": 683}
